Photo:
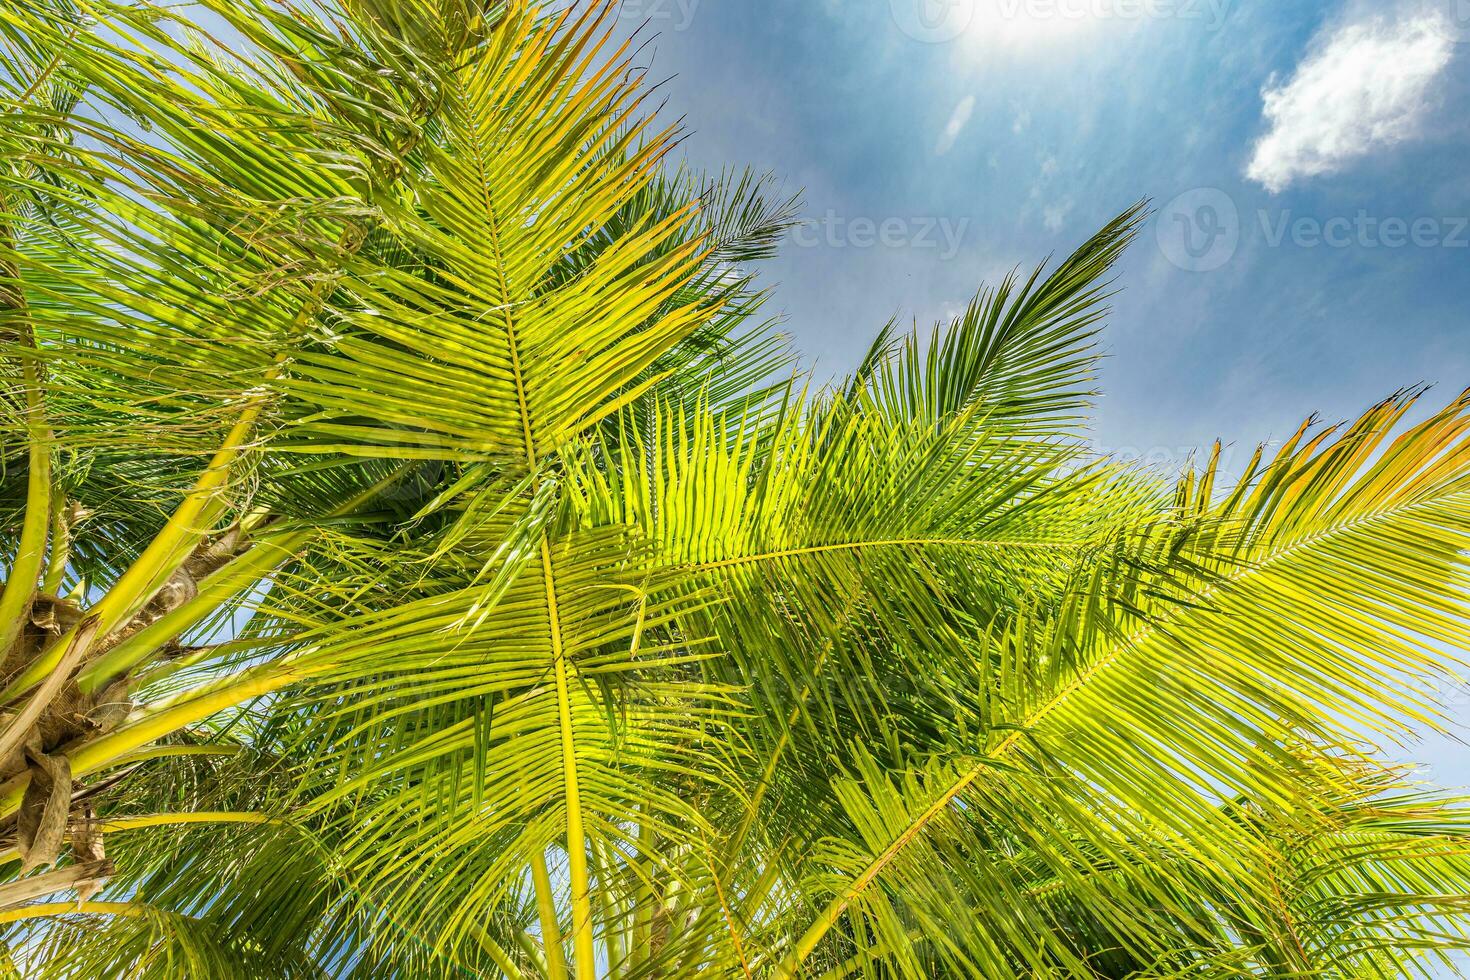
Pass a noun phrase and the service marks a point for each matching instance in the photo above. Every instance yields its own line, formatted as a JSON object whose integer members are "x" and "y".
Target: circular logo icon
{"x": 933, "y": 21}
{"x": 1199, "y": 230}
{"x": 1454, "y": 19}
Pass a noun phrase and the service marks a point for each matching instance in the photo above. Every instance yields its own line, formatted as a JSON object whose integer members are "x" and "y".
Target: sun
{"x": 988, "y": 23}
{"x": 1029, "y": 23}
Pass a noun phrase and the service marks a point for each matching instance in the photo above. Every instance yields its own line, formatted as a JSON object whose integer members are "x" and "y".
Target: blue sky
{"x": 1315, "y": 150}
{"x": 1066, "y": 119}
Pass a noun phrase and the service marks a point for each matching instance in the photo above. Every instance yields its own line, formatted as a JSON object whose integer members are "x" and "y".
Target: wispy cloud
{"x": 958, "y": 120}
{"x": 1366, "y": 86}
{"x": 1054, "y": 216}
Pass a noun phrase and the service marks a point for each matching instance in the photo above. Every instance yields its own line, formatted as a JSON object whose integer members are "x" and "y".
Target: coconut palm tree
{"x": 423, "y": 560}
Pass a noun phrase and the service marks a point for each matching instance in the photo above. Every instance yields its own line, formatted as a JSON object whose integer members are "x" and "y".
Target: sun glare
{"x": 1011, "y": 23}
{"x": 987, "y": 24}
{"x": 1025, "y": 23}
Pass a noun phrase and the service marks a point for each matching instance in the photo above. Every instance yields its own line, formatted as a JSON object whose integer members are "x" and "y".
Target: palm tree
{"x": 424, "y": 561}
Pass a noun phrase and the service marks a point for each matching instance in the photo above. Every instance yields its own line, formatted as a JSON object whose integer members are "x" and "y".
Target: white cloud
{"x": 956, "y": 125}
{"x": 1365, "y": 86}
